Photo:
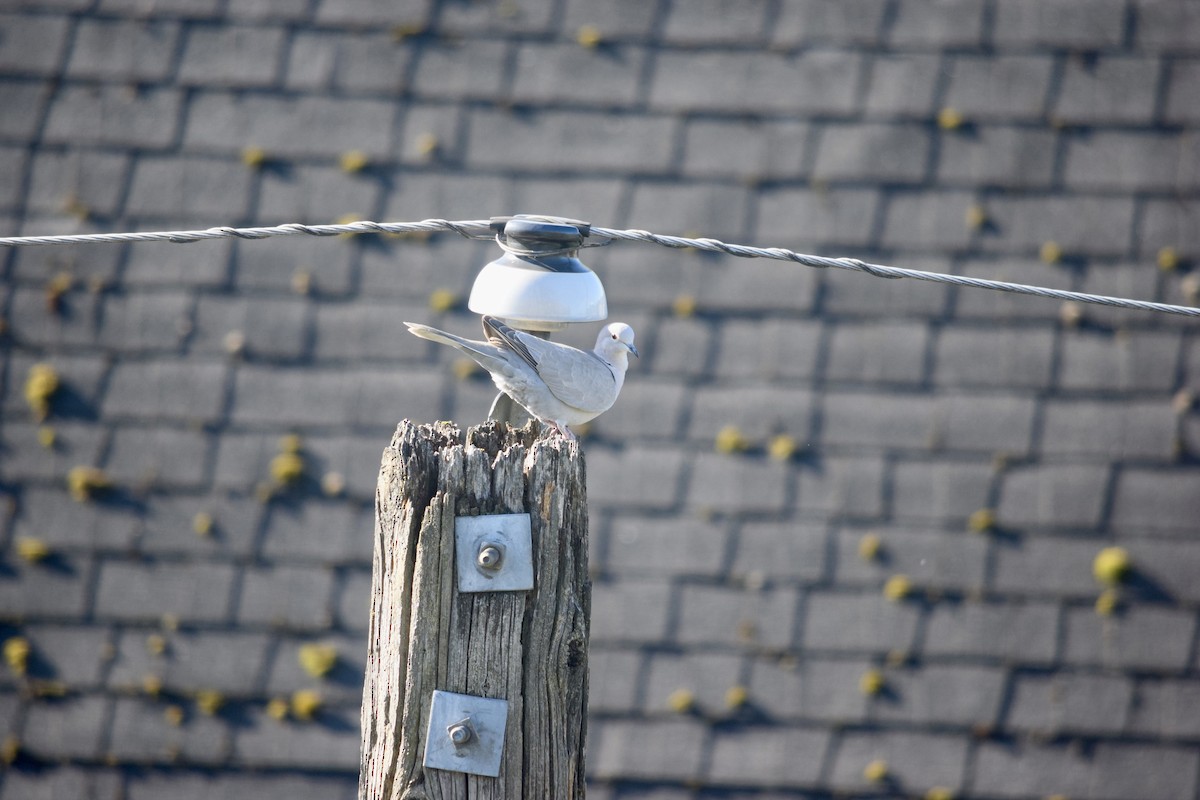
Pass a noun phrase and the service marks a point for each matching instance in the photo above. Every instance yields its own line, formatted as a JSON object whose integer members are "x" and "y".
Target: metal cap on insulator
{"x": 539, "y": 284}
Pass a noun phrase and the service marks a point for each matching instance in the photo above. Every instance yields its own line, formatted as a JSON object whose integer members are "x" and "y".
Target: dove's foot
{"x": 562, "y": 429}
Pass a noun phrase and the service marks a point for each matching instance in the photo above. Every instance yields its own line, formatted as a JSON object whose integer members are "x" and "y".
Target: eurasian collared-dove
{"x": 556, "y": 384}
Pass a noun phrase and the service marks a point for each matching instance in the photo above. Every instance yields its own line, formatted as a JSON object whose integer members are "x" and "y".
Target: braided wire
{"x": 479, "y": 229}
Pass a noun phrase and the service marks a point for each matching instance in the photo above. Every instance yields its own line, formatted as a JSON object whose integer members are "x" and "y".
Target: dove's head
{"x": 615, "y": 343}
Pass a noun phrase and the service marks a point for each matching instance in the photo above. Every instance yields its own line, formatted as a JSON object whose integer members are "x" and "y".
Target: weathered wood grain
{"x": 529, "y": 648}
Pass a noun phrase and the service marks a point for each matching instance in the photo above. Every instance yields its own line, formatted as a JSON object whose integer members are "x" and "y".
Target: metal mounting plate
{"x": 480, "y": 753}
{"x": 510, "y": 536}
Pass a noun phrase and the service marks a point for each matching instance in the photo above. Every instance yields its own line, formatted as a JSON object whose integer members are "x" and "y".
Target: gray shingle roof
{"x": 985, "y": 446}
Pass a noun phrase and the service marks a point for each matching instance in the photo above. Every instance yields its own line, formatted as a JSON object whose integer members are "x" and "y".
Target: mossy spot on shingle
{"x": 1050, "y": 252}
{"x": 982, "y": 520}
{"x": 731, "y": 440}
{"x": 318, "y": 660}
{"x": 32, "y": 549}
{"x": 209, "y": 701}
{"x": 85, "y": 483}
{"x": 442, "y": 300}
{"x": 589, "y": 36}
{"x": 870, "y": 546}
{"x": 871, "y": 682}
{"x": 876, "y": 771}
{"x": 16, "y": 654}
{"x": 1112, "y": 565}
{"x": 305, "y": 704}
{"x": 897, "y": 588}
{"x": 681, "y": 700}
{"x": 354, "y": 161}
{"x": 254, "y": 157}
{"x": 40, "y": 385}
{"x": 782, "y": 447}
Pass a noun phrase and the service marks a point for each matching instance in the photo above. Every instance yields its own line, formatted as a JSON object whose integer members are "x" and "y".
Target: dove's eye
{"x": 614, "y": 337}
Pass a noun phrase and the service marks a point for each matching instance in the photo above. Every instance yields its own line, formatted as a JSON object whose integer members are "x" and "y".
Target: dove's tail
{"x": 482, "y": 352}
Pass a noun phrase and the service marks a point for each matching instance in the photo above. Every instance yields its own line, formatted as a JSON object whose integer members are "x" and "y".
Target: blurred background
{"x": 850, "y": 537}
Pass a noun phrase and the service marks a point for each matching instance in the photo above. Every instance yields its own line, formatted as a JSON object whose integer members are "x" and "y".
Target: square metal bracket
{"x": 494, "y": 553}
{"x": 466, "y": 733}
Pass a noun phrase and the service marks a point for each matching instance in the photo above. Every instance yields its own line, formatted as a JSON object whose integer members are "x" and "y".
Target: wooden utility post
{"x": 526, "y": 647}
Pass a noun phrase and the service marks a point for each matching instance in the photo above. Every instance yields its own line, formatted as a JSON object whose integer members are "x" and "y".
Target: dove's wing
{"x": 577, "y": 378}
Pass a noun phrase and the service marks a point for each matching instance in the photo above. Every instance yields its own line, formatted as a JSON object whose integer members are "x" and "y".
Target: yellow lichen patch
{"x": 977, "y": 217}
{"x": 287, "y": 468}
{"x": 292, "y": 443}
{"x": 1168, "y": 259}
{"x": 40, "y": 385}
{"x": 736, "y": 697}
{"x": 1183, "y": 401}
{"x": 465, "y": 368}
{"x": 174, "y": 715}
{"x": 1070, "y": 314}
{"x": 589, "y": 36}
{"x": 1190, "y": 286}
{"x": 317, "y": 659}
{"x": 871, "y": 682}
{"x": 731, "y": 440}
{"x": 681, "y": 701}
{"x": 950, "y": 119}
{"x": 234, "y": 343}
{"x": 209, "y": 701}
{"x": 277, "y": 708}
{"x": 16, "y": 654}
{"x": 982, "y": 520}
{"x": 353, "y": 161}
{"x": 442, "y": 300}
{"x": 870, "y": 546}
{"x": 152, "y": 684}
{"x": 427, "y": 145}
{"x": 1050, "y": 253}
{"x": 684, "y": 306}
{"x": 203, "y": 524}
{"x": 58, "y": 286}
{"x": 32, "y": 549}
{"x": 302, "y": 282}
{"x": 333, "y": 484}
{"x": 939, "y": 793}
{"x": 781, "y": 447}
{"x": 754, "y": 580}
{"x": 85, "y": 483}
{"x": 897, "y": 588}
{"x": 10, "y": 750}
{"x": 47, "y": 436}
{"x": 1108, "y": 602}
{"x": 305, "y": 704}
{"x": 169, "y": 622}
{"x": 406, "y": 30}
{"x": 156, "y": 644}
{"x": 49, "y": 689}
{"x": 254, "y": 157}
{"x": 73, "y": 205}
{"x": 876, "y": 771}
{"x": 1112, "y": 565}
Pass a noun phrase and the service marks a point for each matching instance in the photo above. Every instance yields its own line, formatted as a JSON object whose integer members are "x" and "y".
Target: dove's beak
{"x": 633, "y": 350}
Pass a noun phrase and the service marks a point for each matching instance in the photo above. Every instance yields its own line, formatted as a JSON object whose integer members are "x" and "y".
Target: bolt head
{"x": 489, "y": 557}
{"x": 460, "y": 733}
